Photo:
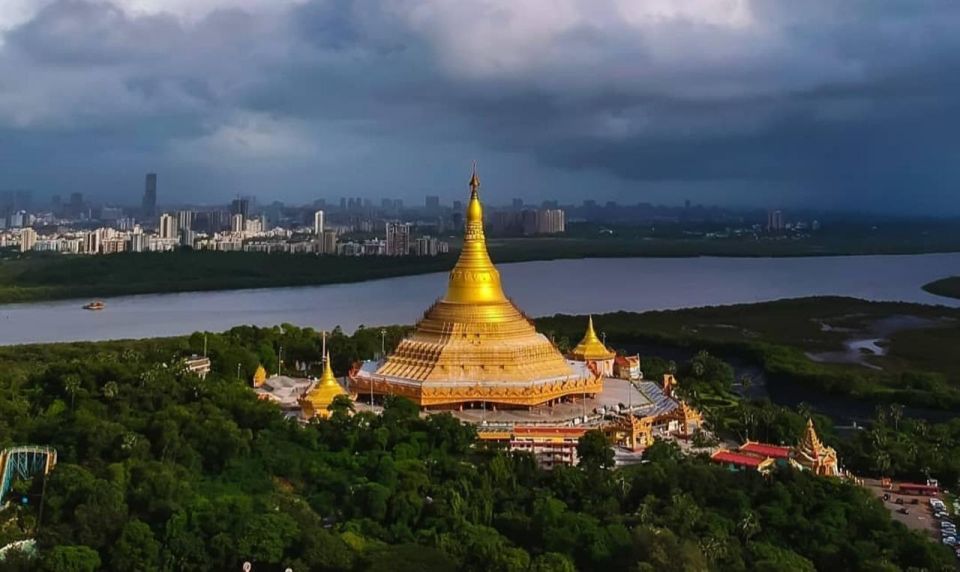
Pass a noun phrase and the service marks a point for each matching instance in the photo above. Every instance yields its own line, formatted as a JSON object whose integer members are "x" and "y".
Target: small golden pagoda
{"x": 317, "y": 401}
{"x": 474, "y": 345}
{"x": 816, "y": 457}
{"x": 591, "y": 349}
{"x": 259, "y": 376}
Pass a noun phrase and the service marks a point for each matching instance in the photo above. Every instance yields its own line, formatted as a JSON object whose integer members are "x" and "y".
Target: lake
{"x": 540, "y": 288}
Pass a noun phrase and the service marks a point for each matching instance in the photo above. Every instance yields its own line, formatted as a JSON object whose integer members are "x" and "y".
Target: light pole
{"x": 238, "y": 371}
{"x": 279, "y": 360}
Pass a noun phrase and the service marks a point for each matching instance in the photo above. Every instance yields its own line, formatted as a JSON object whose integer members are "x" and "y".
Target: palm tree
{"x": 71, "y": 383}
{"x": 896, "y": 414}
{"x": 110, "y": 389}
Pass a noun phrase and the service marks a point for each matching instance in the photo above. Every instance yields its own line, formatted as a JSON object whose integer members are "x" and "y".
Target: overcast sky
{"x": 837, "y": 104}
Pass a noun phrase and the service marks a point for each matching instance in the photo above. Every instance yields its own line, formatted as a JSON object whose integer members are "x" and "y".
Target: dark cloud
{"x": 845, "y": 104}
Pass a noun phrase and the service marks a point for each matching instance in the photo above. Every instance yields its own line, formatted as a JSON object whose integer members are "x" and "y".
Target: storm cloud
{"x": 847, "y": 104}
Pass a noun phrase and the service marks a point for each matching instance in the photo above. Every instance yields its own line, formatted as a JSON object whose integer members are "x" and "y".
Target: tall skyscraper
{"x": 149, "y": 206}
{"x": 185, "y": 220}
{"x": 432, "y": 202}
{"x": 318, "y": 223}
{"x": 168, "y": 226}
{"x": 240, "y": 206}
{"x": 398, "y": 239}
{"x": 28, "y": 238}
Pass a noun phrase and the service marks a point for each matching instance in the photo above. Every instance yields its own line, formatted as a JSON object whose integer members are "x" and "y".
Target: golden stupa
{"x": 474, "y": 345}
{"x": 590, "y": 347}
{"x": 259, "y": 376}
{"x": 316, "y": 402}
{"x": 592, "y": 350}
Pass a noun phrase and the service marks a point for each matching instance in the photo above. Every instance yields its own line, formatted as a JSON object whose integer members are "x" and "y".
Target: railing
{"x": 24, "y": 462}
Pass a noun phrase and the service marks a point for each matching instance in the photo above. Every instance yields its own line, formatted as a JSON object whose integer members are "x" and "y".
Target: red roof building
{"x": 766, "y": 450}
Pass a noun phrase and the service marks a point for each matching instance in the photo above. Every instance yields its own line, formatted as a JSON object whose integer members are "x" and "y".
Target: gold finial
{"x": 474, "y": 181}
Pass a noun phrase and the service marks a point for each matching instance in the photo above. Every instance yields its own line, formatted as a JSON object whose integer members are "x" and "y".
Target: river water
{"x": 539, "y": 288}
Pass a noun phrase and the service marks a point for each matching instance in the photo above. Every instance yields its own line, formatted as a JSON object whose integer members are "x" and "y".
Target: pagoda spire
{"x": 474, "y": 279}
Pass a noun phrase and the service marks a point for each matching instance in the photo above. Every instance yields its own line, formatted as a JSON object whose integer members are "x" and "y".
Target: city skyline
{"x": 837, "y": 106}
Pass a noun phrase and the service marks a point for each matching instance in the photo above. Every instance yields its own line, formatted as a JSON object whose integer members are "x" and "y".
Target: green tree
{"x": 137, "y": 550}
{"x": 594, "y": 451}
{"x": 70, "y": 559}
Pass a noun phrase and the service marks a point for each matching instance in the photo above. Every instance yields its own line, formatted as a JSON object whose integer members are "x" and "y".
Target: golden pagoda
{"x": 814, "y": 456}
{"x": 259, "y": 376}
{"x": 474, "y": 345}
{"x": 591, "y": 349}
{"x": 317, "y": 401}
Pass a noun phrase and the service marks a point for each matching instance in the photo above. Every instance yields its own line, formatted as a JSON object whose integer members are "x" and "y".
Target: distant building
{"x": 199, "y": 365}
{"x": 91, "y": 242}
{"x": 236, "y": 223}
{"x": 432, "y": 202}
{"x": 398, "y": 239}
{"x": 149, "y": 204}
{"x": 551, "y": 221}
{"x": 138, "y": 242}
{"x": 318, "y": 223}
{"x": 185, "y": 220}
{"x": 517, "y": 204}
{"x": 28, "y": 238}
{"x": 329, "y": 243}
{"x": 168, "y": 226}
{"x": 543, "y": 221}
{"x": 775, "y": 221}
{"x": 240, "y": 206}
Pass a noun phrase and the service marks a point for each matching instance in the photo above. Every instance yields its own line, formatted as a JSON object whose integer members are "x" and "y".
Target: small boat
{"x": 96, "y": 305}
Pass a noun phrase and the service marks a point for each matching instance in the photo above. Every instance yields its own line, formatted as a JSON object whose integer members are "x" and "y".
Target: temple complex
{"x": 809, "y": 454}
{"x": 318, "y": 398}
{"x": 474, "y": 346}
{"x": 592, "y": 350}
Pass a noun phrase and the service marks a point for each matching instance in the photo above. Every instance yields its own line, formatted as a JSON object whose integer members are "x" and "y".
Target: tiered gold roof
{"x": 474, "y": 344}
{"x": 814, "y": 455}
{"x": 590, "y": 347}
{"x": 321, "y": 395}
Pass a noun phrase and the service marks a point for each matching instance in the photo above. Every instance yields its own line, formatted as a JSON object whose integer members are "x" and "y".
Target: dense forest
{"x": 160, "y": 470}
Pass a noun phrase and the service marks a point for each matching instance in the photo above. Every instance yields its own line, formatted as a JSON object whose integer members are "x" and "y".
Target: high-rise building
{"x": 517, "y": 204}
{"x": 240, "y": 206}
{"x": 137, "y": 242}
{"x": 432, "y": 202}
{"x": 237, "y": 223}
{"x": 398, "y": 239}
{"x": 551, "y": 221}
{"x": 318, "y": 223}
{"x": 28, "y": 238}
{"x": 167, "y": 226}
{"x": 185, "y": 220}
{"x": 150, "y": 196}
{"x": 91, "y": 242}
{"x": 774, "y": 221}
{"x": 329, "y": 245}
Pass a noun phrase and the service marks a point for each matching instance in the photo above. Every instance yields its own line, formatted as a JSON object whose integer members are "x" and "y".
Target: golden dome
{"x": 259, "y": 376}
{"x": 474, "y": 344}
{"x": 590, "y": 347}
{"x": 321, "y": 395}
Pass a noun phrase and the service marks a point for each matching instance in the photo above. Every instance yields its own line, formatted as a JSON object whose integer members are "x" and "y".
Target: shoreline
{"x": 13, "y": 295}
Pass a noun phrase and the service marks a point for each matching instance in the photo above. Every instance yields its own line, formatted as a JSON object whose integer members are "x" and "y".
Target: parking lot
{"x": 912, "y": 510}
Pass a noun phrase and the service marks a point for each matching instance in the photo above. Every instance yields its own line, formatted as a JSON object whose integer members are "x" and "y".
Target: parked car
{"x": 899, "y": 500}
{"x": 903, "y": 511}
